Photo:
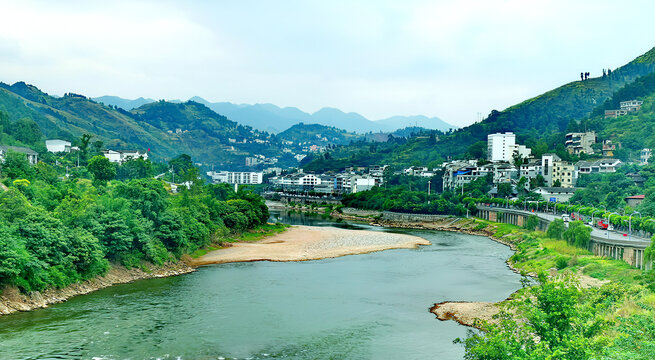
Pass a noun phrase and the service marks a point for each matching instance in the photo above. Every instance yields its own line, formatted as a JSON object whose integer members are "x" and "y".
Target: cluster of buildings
{"x": 346, "y": 182}
{"x": 260, "y": 160}
{"x": 626, "y": 107}
{"x": 558, "y": 176}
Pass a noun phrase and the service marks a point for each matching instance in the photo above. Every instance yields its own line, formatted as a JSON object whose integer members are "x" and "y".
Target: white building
{"x": 500, "y": 147}
{"x": 123, "y": 156}
{"x": 631, "y": 105}
{"x": 644, "y": 156}
{"x": 57, "y": 146}
{"x": 236, "y": 177}
{"x": 577, "y": 143}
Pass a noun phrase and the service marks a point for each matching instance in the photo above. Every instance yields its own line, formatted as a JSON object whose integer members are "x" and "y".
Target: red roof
{"x": 636, "y": 197}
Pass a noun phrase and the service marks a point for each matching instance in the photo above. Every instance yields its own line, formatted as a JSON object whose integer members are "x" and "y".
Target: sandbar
{"x": 301, "y": 243}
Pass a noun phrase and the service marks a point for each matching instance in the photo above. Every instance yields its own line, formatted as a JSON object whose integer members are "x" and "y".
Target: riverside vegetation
{"x": 557, "y": 318}
{"x": 57, "y": 230}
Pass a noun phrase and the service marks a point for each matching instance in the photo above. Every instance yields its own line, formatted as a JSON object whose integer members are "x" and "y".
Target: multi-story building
{"x": 564, "y": 173}
{"x": 608, "y": 148}
{"x": 613, "y": 114}
{"x": 235, "y": 177}
{"x": 631, "y": 105}
{"x": 578, "y": 143}
{"x": 500, "y": 146}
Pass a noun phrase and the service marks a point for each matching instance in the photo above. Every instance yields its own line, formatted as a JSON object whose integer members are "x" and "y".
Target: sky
{"x": 451, "y": 59}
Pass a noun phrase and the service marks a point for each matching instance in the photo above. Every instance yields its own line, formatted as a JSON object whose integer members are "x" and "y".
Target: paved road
{"x": 612, "y": 237}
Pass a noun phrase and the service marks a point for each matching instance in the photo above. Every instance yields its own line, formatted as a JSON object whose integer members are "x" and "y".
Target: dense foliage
{"x": 55, "y": 231}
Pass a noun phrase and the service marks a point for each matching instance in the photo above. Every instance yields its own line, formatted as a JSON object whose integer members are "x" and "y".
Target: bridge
{"x": 612, "y": 244}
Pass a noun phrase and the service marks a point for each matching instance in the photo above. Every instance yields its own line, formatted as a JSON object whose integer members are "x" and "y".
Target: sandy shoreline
{"x": 301, "y": 243}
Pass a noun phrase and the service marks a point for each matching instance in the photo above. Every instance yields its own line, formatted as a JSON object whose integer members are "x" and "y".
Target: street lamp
{"x": 608, "y": 223}
{"x": 593, "y": 210}
{"x": 429, "y": 182}
{"x": 507, "y": 202}
{"x": 630, "y": 223}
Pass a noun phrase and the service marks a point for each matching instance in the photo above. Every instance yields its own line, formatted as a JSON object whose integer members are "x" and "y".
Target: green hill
{"x": 166, "y": 128}
{"x": 539, "y": 122}
{"x": 318, "y": 134}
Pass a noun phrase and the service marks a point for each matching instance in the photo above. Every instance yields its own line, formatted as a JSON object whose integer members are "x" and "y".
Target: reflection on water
{"x": 370, "y": 306}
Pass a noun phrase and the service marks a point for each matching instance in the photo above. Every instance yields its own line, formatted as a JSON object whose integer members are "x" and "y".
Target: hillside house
{"x": 32, "y": 156}
{"x": 58, "y": 146}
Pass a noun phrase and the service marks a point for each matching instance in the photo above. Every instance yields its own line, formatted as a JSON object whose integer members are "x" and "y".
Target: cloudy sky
{"x": 452, "y": 59}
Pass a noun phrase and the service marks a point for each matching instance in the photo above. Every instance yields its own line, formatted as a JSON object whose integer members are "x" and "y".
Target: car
{"x": 566, "y": 218}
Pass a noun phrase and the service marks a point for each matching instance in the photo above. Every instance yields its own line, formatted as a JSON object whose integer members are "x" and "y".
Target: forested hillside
{"x": 318, "y": 134}
{"x": 168, "y": 129}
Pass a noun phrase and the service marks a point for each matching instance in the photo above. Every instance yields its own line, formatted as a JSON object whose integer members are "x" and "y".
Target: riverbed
{"x": 369, "y": 306}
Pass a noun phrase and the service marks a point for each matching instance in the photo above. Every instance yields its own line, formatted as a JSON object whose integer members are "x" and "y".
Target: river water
{"x": 371, "y": 306}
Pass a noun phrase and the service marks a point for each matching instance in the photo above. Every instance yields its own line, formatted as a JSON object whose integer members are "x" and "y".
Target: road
{"x": 610, "y": 237}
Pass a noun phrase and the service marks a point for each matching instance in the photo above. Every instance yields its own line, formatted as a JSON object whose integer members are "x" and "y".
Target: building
{"x": 613, "y": 114}
{"x": 644, "y": 156}
{"x": 578, "y": 143}
{"x": 564, "y": 173}
{"x": 236, "y": 177}
{"x": 635, "y": 200}
{"x": 120, "y": 157}
{"x": 523, "y": 151}
{"x": 555, "y": 194}
{"x": 608, "y": 148}
{"x": 500, "y": 147}
{"x": 631, "y": 105}
{"x": 32, "y": 156}
{"x": 57, "y": 146}
{"x": 598, "y": 166}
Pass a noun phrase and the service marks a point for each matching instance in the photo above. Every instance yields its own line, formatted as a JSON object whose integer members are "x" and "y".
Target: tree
{"x": 101, "y": 168}
{"x": 556, "y": 229}
{"x": 504, "y": 190}
{"x": 16, "y": 166}
{"x": 557, "y": 183}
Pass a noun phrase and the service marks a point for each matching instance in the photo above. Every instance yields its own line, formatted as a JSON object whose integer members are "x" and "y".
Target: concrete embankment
{"x": 12, "y": 300}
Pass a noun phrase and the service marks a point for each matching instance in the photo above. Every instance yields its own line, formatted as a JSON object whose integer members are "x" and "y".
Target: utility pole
{"x": 429, "y": 182}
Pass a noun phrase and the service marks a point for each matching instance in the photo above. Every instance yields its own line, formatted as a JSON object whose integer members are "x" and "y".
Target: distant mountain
{"x": 124, "y": 104}
{"x": 274, "y": 119}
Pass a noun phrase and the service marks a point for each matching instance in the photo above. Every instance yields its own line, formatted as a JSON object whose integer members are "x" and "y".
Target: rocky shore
{"x": 12, "y": 300}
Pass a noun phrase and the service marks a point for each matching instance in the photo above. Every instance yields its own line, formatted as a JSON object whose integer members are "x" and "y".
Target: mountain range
{"x": 274, "y": 119}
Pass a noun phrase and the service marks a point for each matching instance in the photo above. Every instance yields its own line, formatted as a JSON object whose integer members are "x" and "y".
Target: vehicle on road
{"x": 566, "y": 218}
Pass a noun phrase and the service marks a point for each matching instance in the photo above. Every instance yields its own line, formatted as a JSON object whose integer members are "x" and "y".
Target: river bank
{"x": 301, "y": 243}
{"x": 12, "y": 300}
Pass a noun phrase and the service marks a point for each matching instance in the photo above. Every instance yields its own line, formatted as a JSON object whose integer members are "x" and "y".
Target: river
{"x": 371, "y": 306}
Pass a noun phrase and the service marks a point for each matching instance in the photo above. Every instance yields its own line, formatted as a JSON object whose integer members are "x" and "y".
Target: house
{"x": 631, "y": 105}
{"x": 123, "y": 156}
{"x": 553, "y": 169}
{"x": 556, "y": 194}
{"x": 608, "y": 148}
{"x": 644, "y": 156}
{"x": 32, "y": 156}
{"x": 578, "y": 143}
{"x": 634, "y": 200}
{"x": 57, "y": 146}
{"x": 613, "y": 114}
{"x": 598, "y": 166}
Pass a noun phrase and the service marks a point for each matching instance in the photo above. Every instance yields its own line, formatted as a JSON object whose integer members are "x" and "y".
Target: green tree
{"x": 16, "y": 166}
{"x": 101, "y": 168}
{"x": 556, "y": 229}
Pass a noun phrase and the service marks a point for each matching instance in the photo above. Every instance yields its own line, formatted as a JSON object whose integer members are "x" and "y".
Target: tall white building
{"x": 236, "y": 177}
{"x": 500, "y": 147}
